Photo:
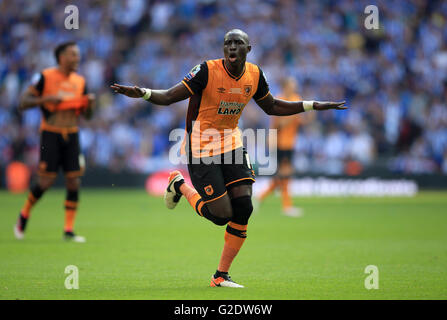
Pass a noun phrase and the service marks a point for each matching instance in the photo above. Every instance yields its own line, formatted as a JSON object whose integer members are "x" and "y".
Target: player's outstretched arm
{"x": 177, "y": 93}
{"x": 278, "y": 107}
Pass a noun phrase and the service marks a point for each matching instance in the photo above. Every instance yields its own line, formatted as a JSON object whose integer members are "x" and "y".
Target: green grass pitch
{"x": 137, "y": 249}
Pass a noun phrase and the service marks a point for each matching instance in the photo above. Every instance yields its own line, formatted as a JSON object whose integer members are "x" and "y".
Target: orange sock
{"x": 235, "y": 236}
{"x": 70, "y": 214}
{"x": 33, "y": 196}
{"x": 269, "y": 190}
{"x": 29, "y": 203}
{"x": 192, "y": 196}
{"x": 285, "y": 196}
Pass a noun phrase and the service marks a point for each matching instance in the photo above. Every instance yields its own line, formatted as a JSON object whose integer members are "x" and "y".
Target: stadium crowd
{"x": 394, "y": 79}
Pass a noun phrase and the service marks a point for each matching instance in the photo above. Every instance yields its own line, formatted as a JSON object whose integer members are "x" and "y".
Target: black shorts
{"x": 60, "y": 150}
{"x": 284, "y": 155}
{"x": 212, "y": 176}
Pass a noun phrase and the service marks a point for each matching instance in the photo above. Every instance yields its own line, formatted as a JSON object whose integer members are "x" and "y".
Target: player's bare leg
{"x": 36, "y": 192}
{"x": 274, "y": 183}
{"x": 257, "y": 201}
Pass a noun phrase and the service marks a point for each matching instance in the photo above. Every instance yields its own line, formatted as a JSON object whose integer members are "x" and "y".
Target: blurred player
{"x": 218, "y": 91}
{"x": 286, "y": 136}
{"x": 61, "y": 94}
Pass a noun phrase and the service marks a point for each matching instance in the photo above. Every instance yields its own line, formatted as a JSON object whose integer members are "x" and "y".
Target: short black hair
{"x": 61, "y": 48}
{"x": 240, "y": 32}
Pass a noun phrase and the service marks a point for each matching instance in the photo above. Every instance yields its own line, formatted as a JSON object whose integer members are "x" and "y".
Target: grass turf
{"x": 137, "y": 249}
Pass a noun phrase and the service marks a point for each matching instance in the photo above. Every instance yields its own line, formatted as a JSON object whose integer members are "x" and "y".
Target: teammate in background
{"x": 286, "y": 137}
{"x": 218, "y": 91}
{"x": 62, "y": 96}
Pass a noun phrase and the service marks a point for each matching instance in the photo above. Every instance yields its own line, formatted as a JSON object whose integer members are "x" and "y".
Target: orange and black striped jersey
{"x": 52, "y": 81}
{"x": 287, "y": 126}
{"x": 217, "y": 101}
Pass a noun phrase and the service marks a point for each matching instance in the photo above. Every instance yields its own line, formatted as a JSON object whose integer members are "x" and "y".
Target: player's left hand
{"x": 326, "y": 105}
{"x": 130, "y": 91}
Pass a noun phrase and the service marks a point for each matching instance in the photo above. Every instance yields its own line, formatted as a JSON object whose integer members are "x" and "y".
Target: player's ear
{"x": 248, "y": 48}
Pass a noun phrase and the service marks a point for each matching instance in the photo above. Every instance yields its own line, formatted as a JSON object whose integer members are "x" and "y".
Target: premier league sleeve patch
{"x": 193, "y": 72}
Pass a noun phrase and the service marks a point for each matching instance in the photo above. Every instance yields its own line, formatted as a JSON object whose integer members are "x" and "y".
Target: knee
{"x": 44, "y": 186}
{"x": 242, "y": 209}
{"x": 224, "y": 212}
{"x": 221, "y": 221}
{"x": 72, "y": 183}
{"x": 45, "y": 183}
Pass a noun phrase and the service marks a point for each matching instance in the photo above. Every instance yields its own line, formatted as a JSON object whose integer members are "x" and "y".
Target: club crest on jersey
{"x": 247, "y": 90}
{"x": 209, "y": 190}
{"x": 193, "y": 72}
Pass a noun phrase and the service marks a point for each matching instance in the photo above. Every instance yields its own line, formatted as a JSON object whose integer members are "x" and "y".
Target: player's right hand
{"x": 327, "y": 105}
{"x": 130, "y": 91}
